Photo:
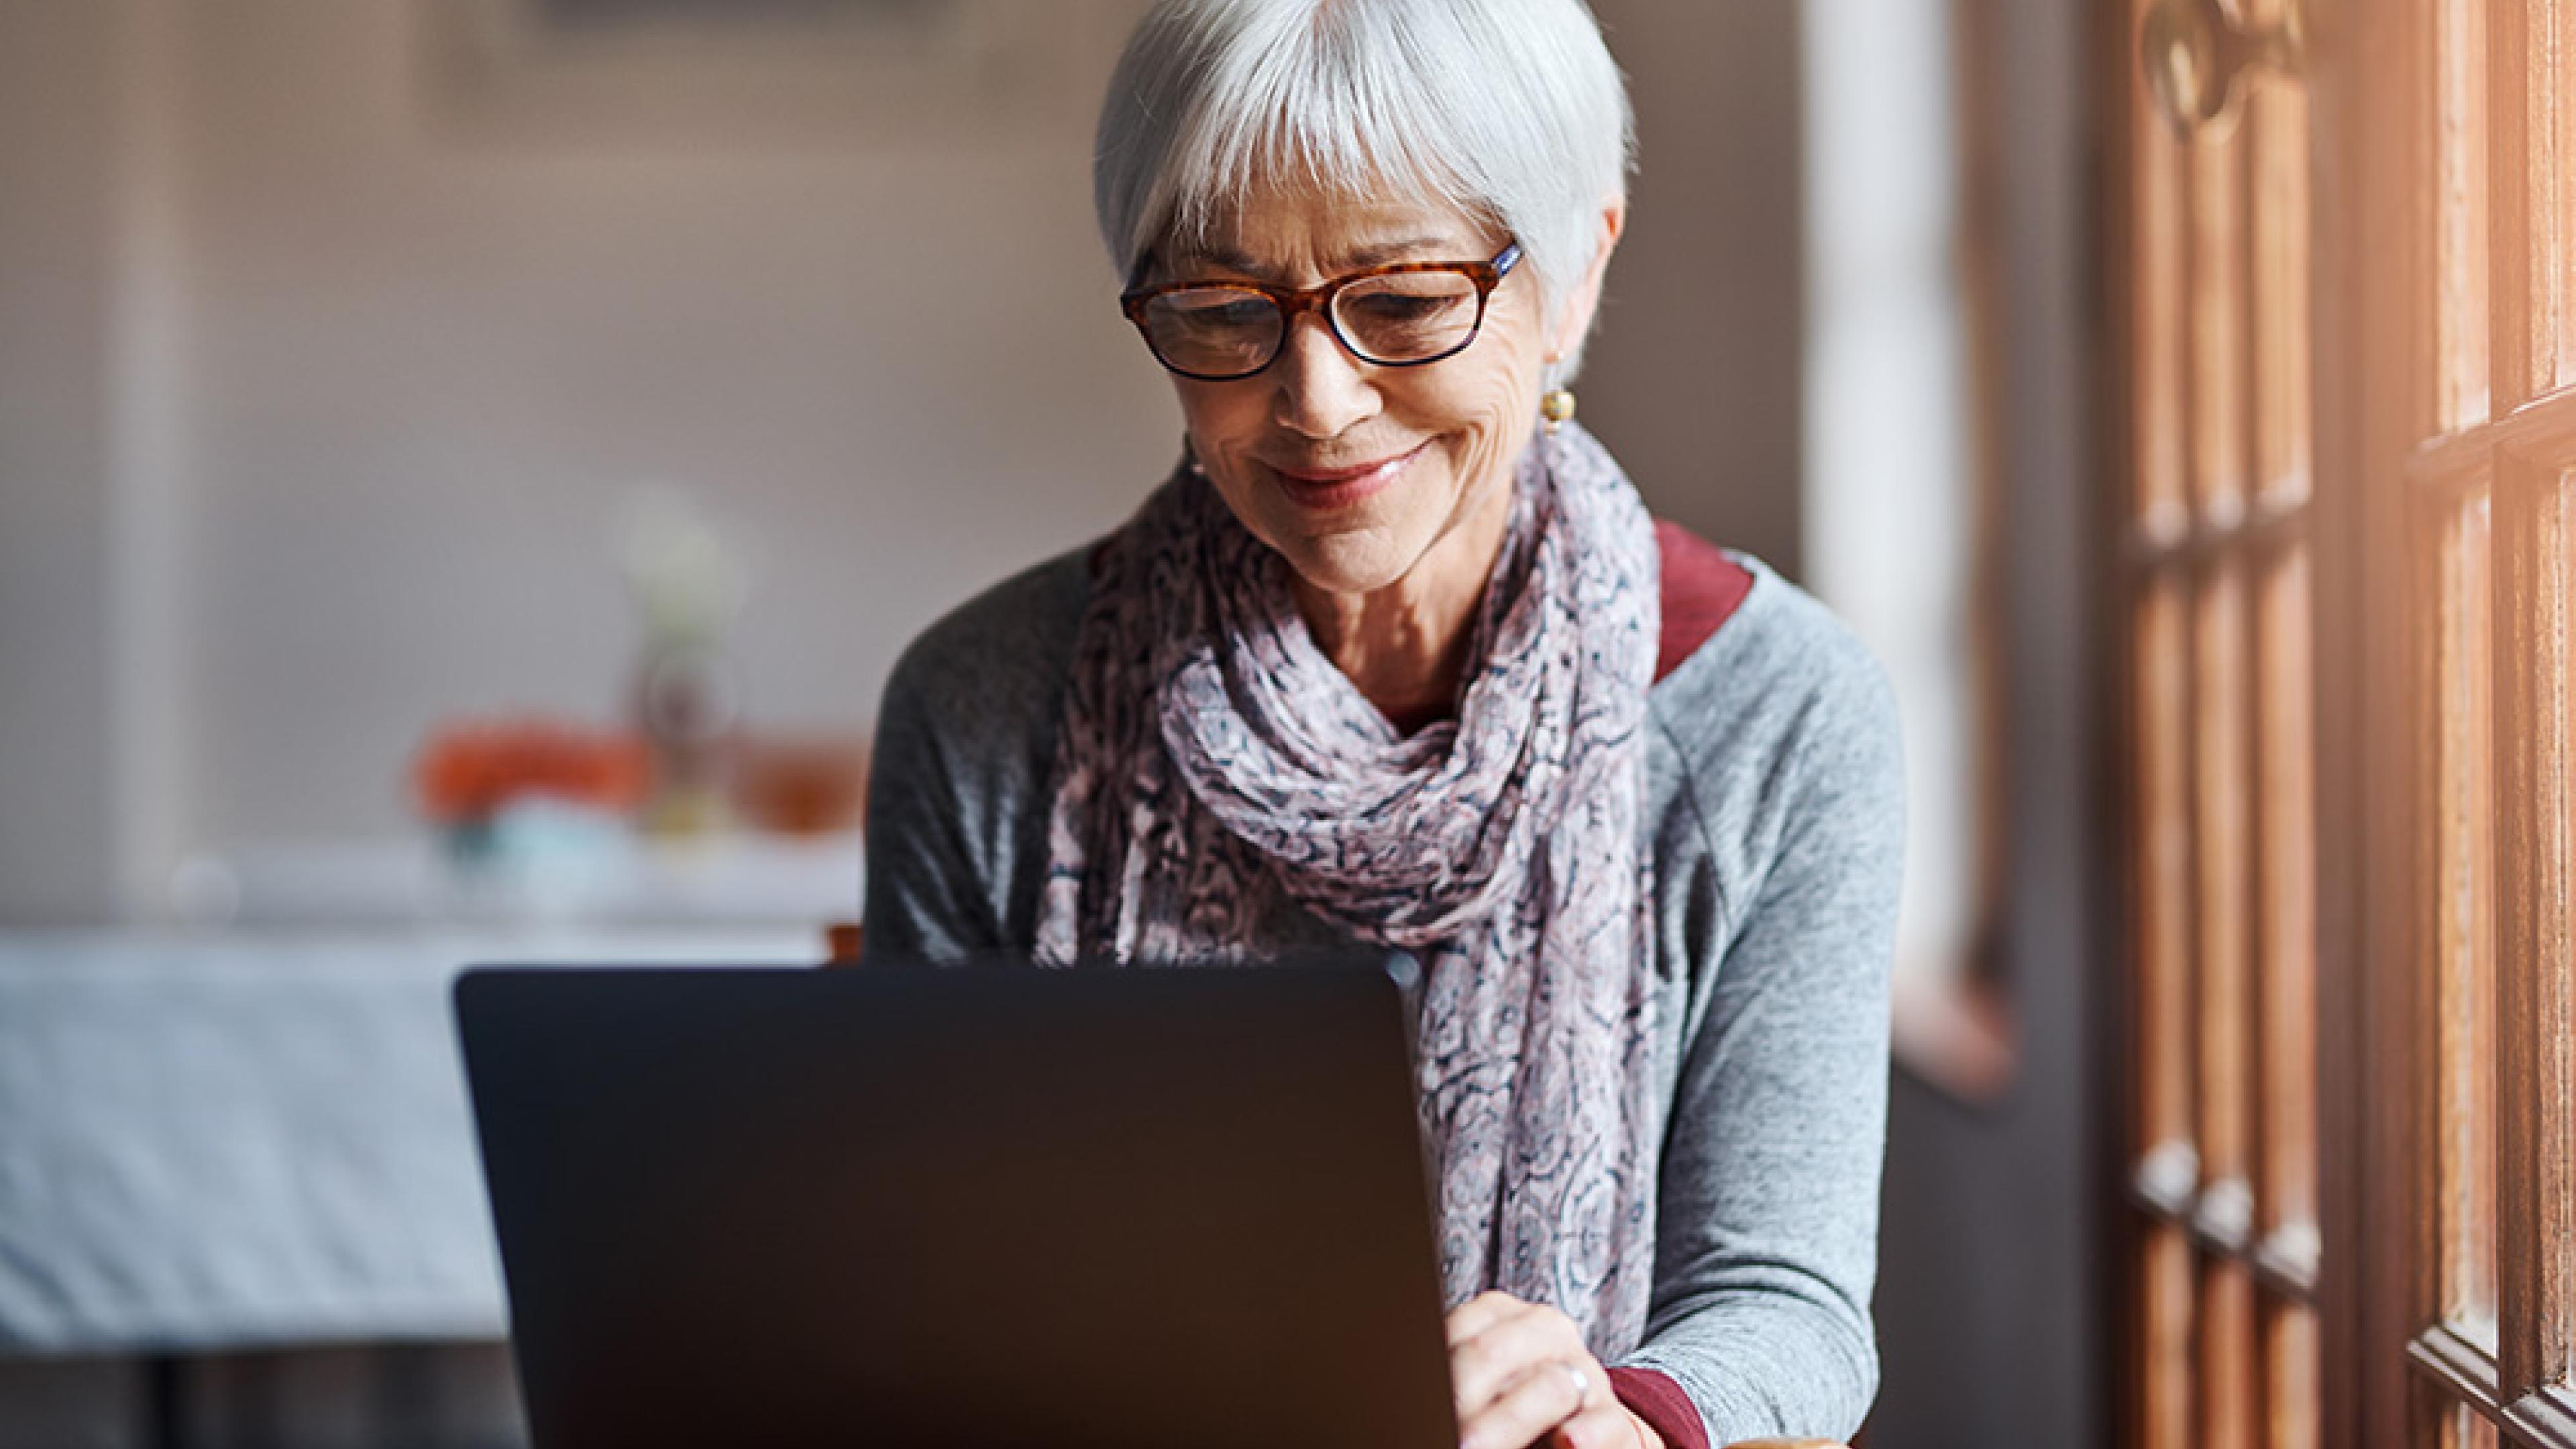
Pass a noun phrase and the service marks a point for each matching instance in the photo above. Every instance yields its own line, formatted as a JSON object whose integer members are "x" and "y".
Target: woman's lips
{"x": 1326, "y": 489}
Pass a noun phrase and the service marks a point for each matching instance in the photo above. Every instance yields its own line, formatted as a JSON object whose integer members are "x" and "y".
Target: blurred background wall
{"x": 420, "y": 369}
{"x": 335, "y": 393}
{"x": 1992, "y": 1284}
{"x": 58, "y": 838}
{"x": 323, "y": 394}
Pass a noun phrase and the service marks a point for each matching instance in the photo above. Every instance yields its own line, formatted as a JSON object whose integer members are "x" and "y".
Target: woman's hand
{"x": 1522, "y": 1374}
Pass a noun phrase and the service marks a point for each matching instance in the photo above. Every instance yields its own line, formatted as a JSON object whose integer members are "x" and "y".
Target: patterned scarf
{"x": 1213, "y": 760}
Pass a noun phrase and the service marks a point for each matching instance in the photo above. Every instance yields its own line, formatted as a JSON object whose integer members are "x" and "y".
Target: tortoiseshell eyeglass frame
{"x": 1292, "y": 302}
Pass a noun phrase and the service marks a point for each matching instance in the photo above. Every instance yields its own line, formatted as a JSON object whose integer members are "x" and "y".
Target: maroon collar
{"x": 1702, "y": 590}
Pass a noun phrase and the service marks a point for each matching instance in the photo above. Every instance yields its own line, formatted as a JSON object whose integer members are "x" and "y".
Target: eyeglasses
{"x": 1400, "y": 315}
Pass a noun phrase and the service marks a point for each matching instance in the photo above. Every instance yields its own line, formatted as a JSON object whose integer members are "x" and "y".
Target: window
{"x": 2215, "y": 573}
{"x": 2345, "y": 279}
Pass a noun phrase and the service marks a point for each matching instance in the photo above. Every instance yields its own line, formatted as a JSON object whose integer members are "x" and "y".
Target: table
{"x": 225, "y": 1142}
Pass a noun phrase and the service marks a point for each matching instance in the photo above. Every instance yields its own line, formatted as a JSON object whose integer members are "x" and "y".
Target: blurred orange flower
{"x": 469, "y": 770}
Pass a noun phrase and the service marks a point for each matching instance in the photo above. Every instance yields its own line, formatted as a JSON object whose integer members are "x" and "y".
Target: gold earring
{"x": 1556, "y": 405}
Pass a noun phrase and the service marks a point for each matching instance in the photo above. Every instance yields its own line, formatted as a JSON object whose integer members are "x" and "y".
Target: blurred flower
{"x": 687, "y": 580}
{"x": 469, "y": 771}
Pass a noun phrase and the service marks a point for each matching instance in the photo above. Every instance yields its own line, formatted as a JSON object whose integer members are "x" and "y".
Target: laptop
{"x": 990, "y": 1205}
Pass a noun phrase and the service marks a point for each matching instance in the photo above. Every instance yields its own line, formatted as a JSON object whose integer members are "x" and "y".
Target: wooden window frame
{"x": 2396, "y": 1270}
{"x": 2442, "y": 540}
{"x": 2220, "y": 1333}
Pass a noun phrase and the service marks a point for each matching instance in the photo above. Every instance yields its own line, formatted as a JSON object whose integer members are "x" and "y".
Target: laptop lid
{"x": 992, "y": 1205}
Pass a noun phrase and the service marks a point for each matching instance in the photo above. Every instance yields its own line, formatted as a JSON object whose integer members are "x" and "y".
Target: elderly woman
{"x": 1397, "y": 658}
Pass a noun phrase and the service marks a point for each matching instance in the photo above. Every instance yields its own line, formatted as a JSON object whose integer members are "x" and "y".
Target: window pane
{"x": 2165, "y": 1374}
{"x": 2164, "y": 853}
{"x": 2561, "y": 155}
{"x": 2156, "y": 237}
{"x": 2222, "y": 819}
{"x": 2276, "y": 130}
{"x": 2292, "y": 1410}
{"x": 2285, "y": 899}
{"x": 2529, "y": 142}
{"x": 2220, "y": 399}
{"x": 2230, "y": 1389}
{"x": 2464, "y": 889}
{"x": 2466, "y": 1428}
{"x": 2461, "y": 244}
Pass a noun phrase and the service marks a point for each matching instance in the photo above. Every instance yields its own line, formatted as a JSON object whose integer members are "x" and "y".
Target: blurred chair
{"x": 841, "y": 944}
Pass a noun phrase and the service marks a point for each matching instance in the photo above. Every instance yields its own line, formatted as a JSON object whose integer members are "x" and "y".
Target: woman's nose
{"x": 1322, "y": 389}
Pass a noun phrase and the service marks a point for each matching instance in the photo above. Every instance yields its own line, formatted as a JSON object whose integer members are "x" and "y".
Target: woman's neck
{"x": 1405, "y": 646}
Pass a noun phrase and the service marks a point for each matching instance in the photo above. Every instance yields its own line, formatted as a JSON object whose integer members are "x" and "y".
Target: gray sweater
{"x": 1774, "y": 803}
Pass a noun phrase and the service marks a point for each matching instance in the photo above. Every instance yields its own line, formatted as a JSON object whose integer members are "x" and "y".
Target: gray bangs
{"x": 1507, "y": 111}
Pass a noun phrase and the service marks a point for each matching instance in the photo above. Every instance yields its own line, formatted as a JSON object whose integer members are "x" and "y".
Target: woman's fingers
{"x": 1542, "y": 1398}
{"x": 1521, "y": 1371}
{"x": 1480, "y": 1313}
{"x": 1605, "y": 1427}
{"x": 1488, "y": 1361}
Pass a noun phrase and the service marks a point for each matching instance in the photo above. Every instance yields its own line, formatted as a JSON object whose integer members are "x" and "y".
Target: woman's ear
{"x": 1574, "y": 316}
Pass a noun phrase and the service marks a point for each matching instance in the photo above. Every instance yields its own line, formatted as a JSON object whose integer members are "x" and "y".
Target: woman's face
{"x": 1352, "y": 471}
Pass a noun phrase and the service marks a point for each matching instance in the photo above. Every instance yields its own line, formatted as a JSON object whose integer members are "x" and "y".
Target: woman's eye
{"x": 1231, "y": 314}
{"x": 1393, "y": 307}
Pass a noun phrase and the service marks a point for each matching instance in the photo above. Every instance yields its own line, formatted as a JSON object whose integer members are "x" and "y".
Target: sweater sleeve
{"x": 1766, "y": 1245}
{"x": 956, "y": 791}
{"x": 928, "y": 896}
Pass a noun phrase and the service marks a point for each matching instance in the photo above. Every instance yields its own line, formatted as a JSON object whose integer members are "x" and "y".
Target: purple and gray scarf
{"x": 1214, "y": 761}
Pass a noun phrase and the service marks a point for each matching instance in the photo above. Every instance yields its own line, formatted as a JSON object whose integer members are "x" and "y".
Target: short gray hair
{"x": 1511, "y": 111}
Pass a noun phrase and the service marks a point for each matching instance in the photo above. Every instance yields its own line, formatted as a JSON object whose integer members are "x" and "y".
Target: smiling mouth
{"x": 1321, "y": 488}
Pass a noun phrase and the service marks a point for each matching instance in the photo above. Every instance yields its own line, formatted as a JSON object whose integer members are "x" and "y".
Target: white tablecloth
{"x": 226, "y": 1142}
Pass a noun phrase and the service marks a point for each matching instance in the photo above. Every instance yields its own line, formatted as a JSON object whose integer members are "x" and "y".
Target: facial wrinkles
{"x": 1320, "y": 409}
